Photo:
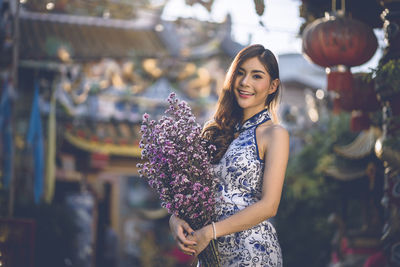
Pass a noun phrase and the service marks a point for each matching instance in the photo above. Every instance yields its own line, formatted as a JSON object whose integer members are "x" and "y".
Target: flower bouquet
{"x": 178, "y": 167}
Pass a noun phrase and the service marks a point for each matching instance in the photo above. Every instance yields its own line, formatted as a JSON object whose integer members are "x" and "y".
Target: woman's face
{"x": 252, "y": 85}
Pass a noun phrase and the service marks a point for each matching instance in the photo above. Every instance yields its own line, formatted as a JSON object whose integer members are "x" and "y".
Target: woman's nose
{"x": 244, "y": 80}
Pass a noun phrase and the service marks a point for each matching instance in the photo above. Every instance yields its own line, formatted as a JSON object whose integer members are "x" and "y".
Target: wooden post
{"x": 14, "y": 82}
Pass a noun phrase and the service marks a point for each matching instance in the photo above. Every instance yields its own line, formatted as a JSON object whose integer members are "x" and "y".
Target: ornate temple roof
{"x": 88, "y": 38}
{"x": 361, "y": 147}
{"x": 106, "y": 138}
{"x": 118, "y": 69}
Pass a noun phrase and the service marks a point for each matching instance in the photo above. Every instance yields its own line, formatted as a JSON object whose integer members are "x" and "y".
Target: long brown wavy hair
{"x": 220, "y": 131}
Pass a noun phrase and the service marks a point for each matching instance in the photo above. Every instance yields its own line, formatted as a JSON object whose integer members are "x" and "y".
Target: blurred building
{"x": 304, "y": 100}
{"x": 105, "y": 66}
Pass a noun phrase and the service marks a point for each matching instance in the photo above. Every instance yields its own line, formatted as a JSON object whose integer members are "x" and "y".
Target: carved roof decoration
{"x": 361, "y": 147}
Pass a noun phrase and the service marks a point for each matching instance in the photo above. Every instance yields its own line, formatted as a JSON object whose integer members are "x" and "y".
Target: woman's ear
{"x": 273, "y": 86}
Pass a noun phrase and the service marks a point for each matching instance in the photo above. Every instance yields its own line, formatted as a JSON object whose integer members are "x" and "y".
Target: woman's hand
{"x": 203, "y": 237}
{"x": 183, "y": 235}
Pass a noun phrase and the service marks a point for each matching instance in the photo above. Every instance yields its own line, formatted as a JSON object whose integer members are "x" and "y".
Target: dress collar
{"x": 255, "y": 120}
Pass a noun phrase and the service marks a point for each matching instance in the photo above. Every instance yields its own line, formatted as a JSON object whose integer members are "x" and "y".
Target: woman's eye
{"x": 257, "y": 76}
{"x": 240, "y": 73}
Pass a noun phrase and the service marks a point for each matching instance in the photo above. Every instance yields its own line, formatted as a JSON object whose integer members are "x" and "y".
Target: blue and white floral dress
{"x": 239, "y": 176}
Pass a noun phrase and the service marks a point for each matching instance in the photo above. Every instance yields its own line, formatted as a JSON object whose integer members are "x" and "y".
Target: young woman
{"x": 249, "y": 165}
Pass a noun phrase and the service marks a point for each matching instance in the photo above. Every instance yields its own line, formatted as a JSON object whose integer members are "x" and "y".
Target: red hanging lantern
{"x": 359, "y": 121}
{"x": 362, "y": 95}
{"x": 338, "y": 40}
{"x": 338, "y": 43}
{"x": 346, "y": 100}
{"x": 339, "y": 79}
{"x": 337, "y": 107}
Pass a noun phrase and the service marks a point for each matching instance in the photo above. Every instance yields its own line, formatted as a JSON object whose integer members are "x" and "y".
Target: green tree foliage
{"x": 309, "y": 198}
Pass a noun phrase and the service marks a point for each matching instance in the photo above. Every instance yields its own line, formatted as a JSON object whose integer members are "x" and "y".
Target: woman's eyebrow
{"x": 256, "y": 71}
{"x": 253, "y": 71}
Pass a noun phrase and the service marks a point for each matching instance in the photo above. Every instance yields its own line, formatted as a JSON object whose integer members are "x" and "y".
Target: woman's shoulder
{"x": 273, "y": 131}
{"x": 269, "y": 134}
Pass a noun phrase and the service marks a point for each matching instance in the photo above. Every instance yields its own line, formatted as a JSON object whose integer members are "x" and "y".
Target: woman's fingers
{"x": 202, "y": 241}
{"x": 183, "y": 235}
{"x": 181, "y": 238}
{"x": 185, "y": 239}
{"x": 189, "y": 250}
{"x": 187, "y": 228}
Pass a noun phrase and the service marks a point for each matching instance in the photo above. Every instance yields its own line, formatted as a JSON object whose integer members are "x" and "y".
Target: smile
{"x": 244, "y": 94}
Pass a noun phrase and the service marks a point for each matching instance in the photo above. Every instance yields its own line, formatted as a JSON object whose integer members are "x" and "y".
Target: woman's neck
{"x": 250, "y": 112}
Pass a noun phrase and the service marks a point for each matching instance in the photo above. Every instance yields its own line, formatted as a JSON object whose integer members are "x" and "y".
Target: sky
{"x": 281, "y": 19}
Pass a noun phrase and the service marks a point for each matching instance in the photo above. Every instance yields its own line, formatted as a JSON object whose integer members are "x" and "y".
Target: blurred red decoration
{"x": 362, "y": 95}
{"x": 339, "y": 80}
{"x": 359, "y": 121}
{"x": 99, "y": 160}
{"x": 336, "y": 106}
{"x": 338, "y": 40}
{"x": 338, "y": 43}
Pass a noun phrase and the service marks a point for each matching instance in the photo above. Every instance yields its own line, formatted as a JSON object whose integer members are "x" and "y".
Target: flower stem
{"x": 209, "y": 256}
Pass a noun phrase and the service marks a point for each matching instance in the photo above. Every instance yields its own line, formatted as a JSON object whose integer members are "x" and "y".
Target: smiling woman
{"x": 252, "y": 79}
{"x": 229, "y": 111}
{"x": 249, "y": 166}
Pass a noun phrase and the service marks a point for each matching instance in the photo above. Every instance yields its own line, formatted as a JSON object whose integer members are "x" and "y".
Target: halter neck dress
{"x": 239, "y": 177}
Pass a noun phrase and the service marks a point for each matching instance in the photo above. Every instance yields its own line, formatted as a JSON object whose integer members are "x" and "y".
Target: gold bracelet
{"x": 214, "y": 231}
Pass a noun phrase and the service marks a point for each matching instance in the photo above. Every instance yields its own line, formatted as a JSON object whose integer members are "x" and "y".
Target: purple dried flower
{"x": 177, "y": 163}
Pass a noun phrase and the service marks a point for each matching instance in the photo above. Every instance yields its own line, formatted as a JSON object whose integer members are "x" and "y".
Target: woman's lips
{"x": 244, "y": 94}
